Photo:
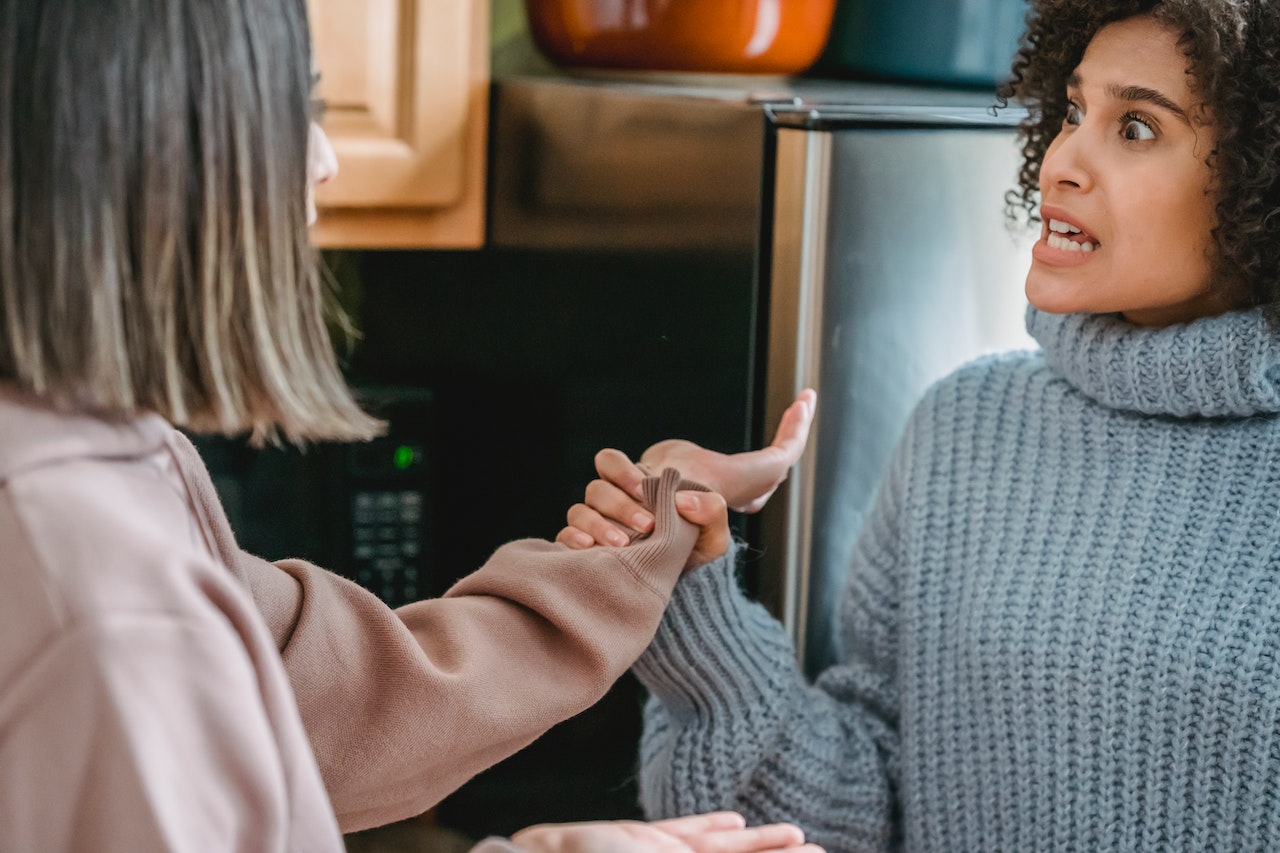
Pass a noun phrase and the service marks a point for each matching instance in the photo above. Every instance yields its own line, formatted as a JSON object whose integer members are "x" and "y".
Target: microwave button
{"x": 387, "y": 565}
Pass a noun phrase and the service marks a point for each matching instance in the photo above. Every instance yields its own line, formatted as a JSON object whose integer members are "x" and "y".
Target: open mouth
{"x": 1064, "y": 235}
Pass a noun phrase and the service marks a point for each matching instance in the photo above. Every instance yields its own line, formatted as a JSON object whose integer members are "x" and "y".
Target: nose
{"x": 322, "y": 163}
{"x": 1066, "y": 162}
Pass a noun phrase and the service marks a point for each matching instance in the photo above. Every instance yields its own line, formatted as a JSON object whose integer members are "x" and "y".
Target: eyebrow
{"x": 1138, "y": 94}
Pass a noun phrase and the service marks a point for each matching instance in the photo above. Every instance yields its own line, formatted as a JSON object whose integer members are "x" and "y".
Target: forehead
{"x": 1138, "y": 52}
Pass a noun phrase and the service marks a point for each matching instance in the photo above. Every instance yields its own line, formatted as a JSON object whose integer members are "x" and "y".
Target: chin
{"x": 1051, "y": 297}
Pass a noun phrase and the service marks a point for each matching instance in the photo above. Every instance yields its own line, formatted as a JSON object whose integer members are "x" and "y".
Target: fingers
{"x": 614, "y": 504}
{"x": 607, "y": 516}
{"x": 793, "y": 428}
{"x": 675, "y": 836}
{"x": 758, "y": 839}
{"x": 702, "y": 822}
{"x": 617, "y": 468}
{"x": 574, "y": 537}
{"x": 710, "y": 512}
{"x": 767, "y": 468}
{"x": 586, "y": 527}
{"x": 704, "y": 835}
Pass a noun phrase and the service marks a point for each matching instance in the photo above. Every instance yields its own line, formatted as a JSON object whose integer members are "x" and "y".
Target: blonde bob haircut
{"x": 154, "y": 254}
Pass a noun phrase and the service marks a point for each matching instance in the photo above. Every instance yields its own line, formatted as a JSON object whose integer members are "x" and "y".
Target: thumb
{"x": 793, "y": 428}
{"x": 762, "y": 471}
{"x": 710, "y": 513}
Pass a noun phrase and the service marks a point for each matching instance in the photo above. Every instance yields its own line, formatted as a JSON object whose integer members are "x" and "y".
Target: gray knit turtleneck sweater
{"x": 1061, "y": 631}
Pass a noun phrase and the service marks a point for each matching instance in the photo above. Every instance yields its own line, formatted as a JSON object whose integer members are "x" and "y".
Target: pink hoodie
{"x": 143, "y": 704}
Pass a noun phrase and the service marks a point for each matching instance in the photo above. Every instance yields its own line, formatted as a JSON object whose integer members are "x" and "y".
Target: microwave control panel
{"x": 389, "y": 519}
{"x": 387, "y": 542}
{"x": 363, "y": 510}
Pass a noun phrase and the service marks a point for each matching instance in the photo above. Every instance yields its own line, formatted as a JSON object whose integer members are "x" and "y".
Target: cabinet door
{"x": 406, "y": 82}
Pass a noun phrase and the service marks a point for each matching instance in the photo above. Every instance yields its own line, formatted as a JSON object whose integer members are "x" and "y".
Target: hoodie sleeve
{"x": 402, "y": 707}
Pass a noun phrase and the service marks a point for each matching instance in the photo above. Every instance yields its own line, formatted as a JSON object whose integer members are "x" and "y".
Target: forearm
{"x": 404, "y": 707}
{"x": 733, "y": 725}
{"x": 413, "y": 706}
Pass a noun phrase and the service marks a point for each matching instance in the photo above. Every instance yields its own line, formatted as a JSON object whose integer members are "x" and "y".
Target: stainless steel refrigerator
{"x": 890, "y": 262}
{"x": 867, "y": 222}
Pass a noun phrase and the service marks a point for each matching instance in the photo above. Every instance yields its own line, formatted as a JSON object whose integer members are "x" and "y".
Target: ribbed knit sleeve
{"x": 732, "y": 723}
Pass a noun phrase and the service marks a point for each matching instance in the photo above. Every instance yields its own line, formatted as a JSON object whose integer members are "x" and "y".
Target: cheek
{"x": 1172, "y": 228}
{"x": 1169, "y": 256}
{"x": 1191, "y": 223}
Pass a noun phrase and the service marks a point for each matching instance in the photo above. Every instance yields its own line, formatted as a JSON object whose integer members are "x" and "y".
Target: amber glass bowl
{"x": 750, "y": 36}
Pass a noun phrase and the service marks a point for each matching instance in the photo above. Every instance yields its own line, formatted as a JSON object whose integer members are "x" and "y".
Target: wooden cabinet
{"x": 406, "y": 83}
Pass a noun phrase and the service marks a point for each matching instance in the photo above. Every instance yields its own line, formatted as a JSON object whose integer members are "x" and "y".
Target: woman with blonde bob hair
{"x": 153, "y": 233}
{"x": 160, "y": 689}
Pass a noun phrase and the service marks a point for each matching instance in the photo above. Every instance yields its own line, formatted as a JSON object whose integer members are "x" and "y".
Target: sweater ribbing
{"x": 1061, "y": 629}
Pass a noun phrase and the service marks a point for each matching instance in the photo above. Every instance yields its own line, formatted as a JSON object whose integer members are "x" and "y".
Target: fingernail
{"x": 616, "y": 538}
{"x": 583, "y": 539}
{"x": 687, "y": 501}
{"x": 641, "y": 521}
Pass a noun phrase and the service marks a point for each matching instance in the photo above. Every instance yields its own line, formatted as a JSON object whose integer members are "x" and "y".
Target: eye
{"x": 1135, "y": 128}
{"x": 1074, "y": 114}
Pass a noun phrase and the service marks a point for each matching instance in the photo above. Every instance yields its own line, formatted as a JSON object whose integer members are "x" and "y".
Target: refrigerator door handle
{"x": 798, "y": 275}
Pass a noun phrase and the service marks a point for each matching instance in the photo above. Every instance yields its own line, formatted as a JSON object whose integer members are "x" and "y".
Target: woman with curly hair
{"x": 1062, "y": 625}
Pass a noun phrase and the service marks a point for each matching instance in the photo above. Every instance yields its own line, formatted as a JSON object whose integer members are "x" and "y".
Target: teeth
{"x": 1057, "y": 242}
{"x": 1062, "y": 227}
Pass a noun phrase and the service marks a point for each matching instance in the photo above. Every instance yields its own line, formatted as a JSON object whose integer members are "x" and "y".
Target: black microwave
{"x": 364, "y": 510}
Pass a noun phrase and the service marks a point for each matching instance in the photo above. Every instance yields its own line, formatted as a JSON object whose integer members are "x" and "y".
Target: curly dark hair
{"x": 1233, "y": 54}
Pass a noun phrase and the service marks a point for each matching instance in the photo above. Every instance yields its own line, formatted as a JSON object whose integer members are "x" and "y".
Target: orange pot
{"x": 757, "y": 36}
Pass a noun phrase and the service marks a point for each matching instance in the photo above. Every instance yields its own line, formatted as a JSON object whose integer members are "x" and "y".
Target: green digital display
{"x": 403, "y": 457}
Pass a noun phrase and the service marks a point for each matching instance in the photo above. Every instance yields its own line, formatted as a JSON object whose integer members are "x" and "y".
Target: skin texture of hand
{"x": 719, "y": 832}
{"x": 707, "y": 510}
{"x": 611, "y": 509}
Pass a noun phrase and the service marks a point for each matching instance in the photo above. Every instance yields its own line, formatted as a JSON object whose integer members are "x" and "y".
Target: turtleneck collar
{"x": 1224, "y": 366}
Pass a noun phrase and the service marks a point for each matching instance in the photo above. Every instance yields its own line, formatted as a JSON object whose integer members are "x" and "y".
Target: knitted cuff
{"x": 714, "y": 648}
